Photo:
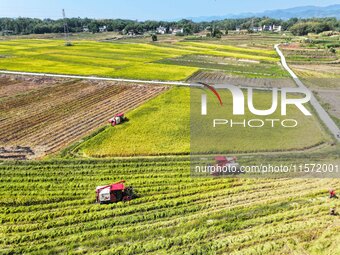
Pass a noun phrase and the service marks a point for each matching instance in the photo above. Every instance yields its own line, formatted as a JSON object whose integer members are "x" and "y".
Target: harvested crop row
{"x": 47, "y": 118}
{"x": 215, "y": 77}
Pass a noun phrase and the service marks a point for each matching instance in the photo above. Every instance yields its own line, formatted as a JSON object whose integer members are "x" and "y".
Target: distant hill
{"x": 296, "y": 12}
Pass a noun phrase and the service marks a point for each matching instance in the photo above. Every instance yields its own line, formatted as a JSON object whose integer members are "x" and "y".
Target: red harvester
{"x": 117, "y": 119}
{"x": 226, "y": 162}
{"x": 114, "y": 193}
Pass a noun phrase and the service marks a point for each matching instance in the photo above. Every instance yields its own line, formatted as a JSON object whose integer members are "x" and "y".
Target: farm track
{"x": 47, "y": 118}
{"x": 64, "y": 218}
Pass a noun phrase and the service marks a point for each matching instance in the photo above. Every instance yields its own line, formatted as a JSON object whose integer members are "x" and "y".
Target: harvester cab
{"x": 223, "y": 160}
{"x": 114, "y": 193}
{"x": 117, "y": 119}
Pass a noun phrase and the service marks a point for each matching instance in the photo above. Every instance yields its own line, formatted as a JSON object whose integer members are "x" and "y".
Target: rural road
{"x": 177, "y": 83}
{"x": 323, "y": 115}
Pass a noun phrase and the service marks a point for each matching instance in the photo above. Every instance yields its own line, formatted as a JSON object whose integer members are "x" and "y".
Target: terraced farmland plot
{"x": 46, "y": 115}
{"x": 308, "y": 56}
{"x": 53, "y": 211}
{"x": 320, "y": 71}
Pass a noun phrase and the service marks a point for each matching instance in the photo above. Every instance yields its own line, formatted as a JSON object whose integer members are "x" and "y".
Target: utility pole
{"x": 67, "y": 41}
{"x": 252, "y": 29}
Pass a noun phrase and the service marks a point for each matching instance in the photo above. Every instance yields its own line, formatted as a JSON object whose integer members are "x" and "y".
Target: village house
{"x": 256, "y": 29}
{"x": 86, "y": 29}
{"x": 102, "y": 29}
{"x": 277, "y": 28}
{"x": 161, "y": 30}
{"x": 267, "y": 28}
{"x": 177, "y": 30}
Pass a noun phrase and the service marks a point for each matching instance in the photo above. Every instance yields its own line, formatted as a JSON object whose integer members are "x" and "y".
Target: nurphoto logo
{"x": 239, "y": 105}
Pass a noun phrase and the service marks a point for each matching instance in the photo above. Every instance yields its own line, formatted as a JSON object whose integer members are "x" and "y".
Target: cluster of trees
{"x": 315, "y": 26}
{"x": 295, "y": 25}
{"x": 38, "y": 26}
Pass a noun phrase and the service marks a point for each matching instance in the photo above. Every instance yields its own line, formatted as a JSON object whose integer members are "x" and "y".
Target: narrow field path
{"x": 178, "y": 83}
{"x": 323, "y": 115}
{"x": 95, "y": 78}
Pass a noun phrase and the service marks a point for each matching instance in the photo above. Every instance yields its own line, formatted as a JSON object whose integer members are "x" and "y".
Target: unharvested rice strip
{"x": 20, "y": 127}
{"x": 79, "y": 130}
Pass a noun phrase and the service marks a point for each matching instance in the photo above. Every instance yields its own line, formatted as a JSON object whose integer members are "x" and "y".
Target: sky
{"x": 144, "y": 9}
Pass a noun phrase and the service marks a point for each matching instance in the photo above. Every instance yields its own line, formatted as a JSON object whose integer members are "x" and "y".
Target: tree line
{"x": 23, "y": 26}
